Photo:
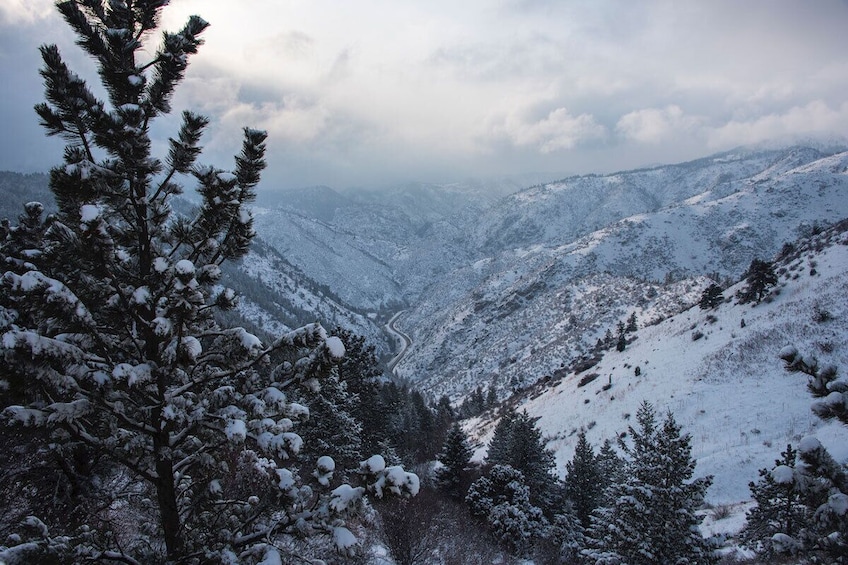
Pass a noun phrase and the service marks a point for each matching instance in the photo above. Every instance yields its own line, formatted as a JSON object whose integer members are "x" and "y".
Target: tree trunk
{"x": 166, "y": 494}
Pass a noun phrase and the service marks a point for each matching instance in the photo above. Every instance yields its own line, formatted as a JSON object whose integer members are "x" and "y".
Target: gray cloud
{"x": 376, "y": 93}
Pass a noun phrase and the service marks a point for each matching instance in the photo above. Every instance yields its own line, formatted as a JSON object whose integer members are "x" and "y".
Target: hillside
{"x": 17, "y": 189}
{"x": 519, "y": 315}
{"x": 276, "y": 296}
{"x": 721, "y": 378}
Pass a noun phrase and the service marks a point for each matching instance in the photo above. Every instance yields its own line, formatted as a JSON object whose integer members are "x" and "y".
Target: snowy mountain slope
{"x": 373, "y": 254}
{"x": 332, "y": 256}
{"x": 276, "y": 297}
{"x": 17, "y": 189}
{"x": 560, "y": 212}
{"x": 381, "y": 249}
{"x": 511, "y": 337}
{"x": 516, "y": 317}
{"x": 723, "y": 381}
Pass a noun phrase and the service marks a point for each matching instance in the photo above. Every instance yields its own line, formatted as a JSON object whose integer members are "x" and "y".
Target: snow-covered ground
{"x": 727, "y": 388}
{"x": 524, "y": 312}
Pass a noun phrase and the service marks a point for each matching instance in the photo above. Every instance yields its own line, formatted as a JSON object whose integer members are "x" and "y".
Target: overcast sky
{"x": 375, "y": 92}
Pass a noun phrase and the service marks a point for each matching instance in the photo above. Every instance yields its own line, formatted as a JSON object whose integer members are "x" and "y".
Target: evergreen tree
{"x": 608, "y": 339}
{"x": 621, "y": 340}
{"x": 360, "y": 372}
{"x": 759, "y": 278}
{"x": 821, "y": 481}
{"x": 491, "y": 398}
{"x": 426, "y": 443}
{"x": 444, "y": 418}
{"x": 455, "y": 458}
{"x": 502, "y": 499}
{"x": 582, "y": 481}
{"x": 331, "y": 429}
{"x": 474, "y": 404}
{"x": 711, "y": 298}
{"x": 631, "y": 323}
{"x": 824, "y": 487}
{"x": 501, "y": 442}
{"x": 802, "y": 509}
{"x": 518, "y": 443}
{"x": 652, "y": 519}
{"x": 109, "y": 338}
{"x": 610, "y": 471}
{"x": 779, "y": 508}
{"x": 822, "y": 384}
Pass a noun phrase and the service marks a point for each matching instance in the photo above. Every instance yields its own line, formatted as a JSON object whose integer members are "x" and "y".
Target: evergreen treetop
{"x": 779, "y": 508}
{"x": 759, "y": 277}
{"x": 110, "y": 344}
{"x": 518, "y": 443}
{"x": 711, "y": 298}
{"x": 651, "y": 517}
{"x": 455, "y": 458}
{"x": 583, "y": 483}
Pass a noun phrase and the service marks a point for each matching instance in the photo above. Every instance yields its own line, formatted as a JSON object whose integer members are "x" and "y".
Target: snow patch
{"x": 373, "y": 464}
{"x": 344, "y": 539}
{"x": 285, "y": 479}
{"x": 141, "y": 295}
{"x": 271, "y": 557}
{"x": 343, "y": 497}
{"x": 192, "y": 348}
{"x": 809, "y": 444}
{"x": 336, "y": 347}
{"x": 227, "y": 177}
{"x": 184, "y": 268}
{"x": 236, "y": 431}
{"x": 89, "y": 213}
{"x": 160, "y": 265}
{"x": 783, "y": 475}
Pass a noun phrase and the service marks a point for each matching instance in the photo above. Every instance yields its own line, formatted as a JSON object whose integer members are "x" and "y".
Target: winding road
{"x": 401, "y": 338}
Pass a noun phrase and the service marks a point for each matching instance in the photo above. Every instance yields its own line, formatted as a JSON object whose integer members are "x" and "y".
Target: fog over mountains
{"x": 503, "y": 285}
{"x": 505, "y": 290}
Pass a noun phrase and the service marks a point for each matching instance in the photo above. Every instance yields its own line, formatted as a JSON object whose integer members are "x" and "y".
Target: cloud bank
{"x": 374, "y": 93}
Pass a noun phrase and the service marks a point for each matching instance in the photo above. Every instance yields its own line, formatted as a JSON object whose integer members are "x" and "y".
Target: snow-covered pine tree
{"x": 779, "y": 508}
{"x": 823, "y": 384}
{"x": 502, "y": 499}
{"x": 583, "y": 485}
{"x": 455, "y": 458}
{"x": 610, "y": 471}
{"x": 821, "y": 481}
{"x": 621, "y": 340}
{"x": 517, "y": 442}
{"x": 802, "y": 506}
{"x": 825, "y": 492}
{"x": 608, "y": 339}
{"x": 652, "y": 517}
{"x": 759, "y": 277}
{"x": 491, "y": 398}
{"x": 360, "y": 372}
{"x": 711, "y": 298}
{"x": 109, "y": 340}
{"x": 331, "y": 428}
{"x": 501, "y": 442}
{"x": 632, "y": 325}
{"x": 443, "y": 419}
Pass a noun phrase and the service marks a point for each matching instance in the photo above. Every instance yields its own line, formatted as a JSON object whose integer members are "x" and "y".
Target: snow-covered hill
{"x": 718, "y": 371}
{"x": 276, "y": 297}
{"x": 519, "y": 315}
